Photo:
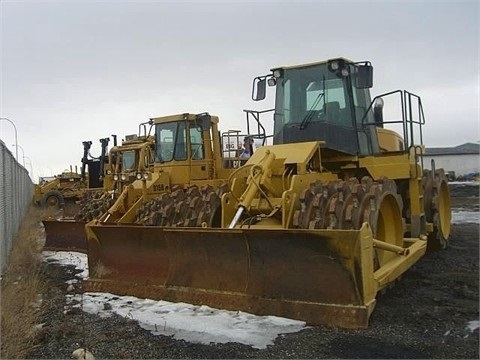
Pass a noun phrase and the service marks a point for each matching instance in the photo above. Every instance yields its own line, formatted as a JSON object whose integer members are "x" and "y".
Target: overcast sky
{"x": 82, "y": 70}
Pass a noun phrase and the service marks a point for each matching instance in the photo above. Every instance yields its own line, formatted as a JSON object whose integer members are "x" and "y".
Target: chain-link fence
{"x": 16, "y": 191}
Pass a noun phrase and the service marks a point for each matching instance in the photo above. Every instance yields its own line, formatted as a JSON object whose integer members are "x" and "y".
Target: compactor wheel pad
{"x": 192, "y": 206}
{"x": 346, "y": 205}
{"x": 314, "y": 201}
{"x": 94, "y": 205}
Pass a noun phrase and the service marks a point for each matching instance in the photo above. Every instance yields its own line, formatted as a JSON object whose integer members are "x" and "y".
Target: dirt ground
{"x": 425, "y": 315}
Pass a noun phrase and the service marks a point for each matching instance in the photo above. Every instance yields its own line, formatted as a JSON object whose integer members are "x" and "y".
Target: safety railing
{"x": 412, "y": 117}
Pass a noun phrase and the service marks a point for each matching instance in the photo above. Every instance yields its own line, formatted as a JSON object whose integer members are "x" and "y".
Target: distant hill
{"x": 464, "y": 149}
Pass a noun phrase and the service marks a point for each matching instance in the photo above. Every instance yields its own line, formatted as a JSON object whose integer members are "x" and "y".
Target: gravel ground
{"x": 425, "y": 315}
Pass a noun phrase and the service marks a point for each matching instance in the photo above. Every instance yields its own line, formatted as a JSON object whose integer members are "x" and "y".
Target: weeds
{"x": 21, "y": 287}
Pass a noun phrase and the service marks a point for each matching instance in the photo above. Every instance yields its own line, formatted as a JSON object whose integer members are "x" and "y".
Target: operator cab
{"x": 325, "y": 101}
{"x": 179, "y": 139}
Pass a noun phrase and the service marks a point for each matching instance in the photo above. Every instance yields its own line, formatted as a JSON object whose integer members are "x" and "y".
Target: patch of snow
{"x": 473, "y": 325}
{"x": 461, "y": 217}
{"x": 79, "y": 260}
{"x": 196, "y": 324}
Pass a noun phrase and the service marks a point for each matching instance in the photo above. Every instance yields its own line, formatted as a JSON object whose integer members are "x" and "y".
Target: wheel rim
{"x": 444, "y": 212}
{"x": 389, "y": 227}
{"x": 52, "y": 201}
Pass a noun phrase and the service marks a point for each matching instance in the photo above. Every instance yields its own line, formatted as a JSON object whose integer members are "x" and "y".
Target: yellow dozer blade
{"x": 65, "y": 235}
{"x": 319, "y": 276}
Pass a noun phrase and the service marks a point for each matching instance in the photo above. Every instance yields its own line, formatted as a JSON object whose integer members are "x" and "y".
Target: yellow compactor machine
{"x": 124, "y": 164}
{"x": 191, "y": 152}
{"x": 312, "y": 227}
{"x": 65, "y": 189}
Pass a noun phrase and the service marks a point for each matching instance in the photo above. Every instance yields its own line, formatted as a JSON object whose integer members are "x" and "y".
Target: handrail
{"x": 408, "y": 120}
{"x": 261, "y": 133}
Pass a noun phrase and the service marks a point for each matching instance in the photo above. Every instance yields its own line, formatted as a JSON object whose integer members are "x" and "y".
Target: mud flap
{"x": 319, "y": 276}
{"x": 65, "y": 235}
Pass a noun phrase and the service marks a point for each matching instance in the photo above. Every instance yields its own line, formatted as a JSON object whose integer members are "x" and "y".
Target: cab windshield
{"x": 311, "y": 94}
{"x": 170, "y": 142}
{"x": 128, "y": 160}
{"x": 314, "y": 103}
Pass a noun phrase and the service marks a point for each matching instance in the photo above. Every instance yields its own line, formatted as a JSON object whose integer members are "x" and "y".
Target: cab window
{"x": 196, "y": 142}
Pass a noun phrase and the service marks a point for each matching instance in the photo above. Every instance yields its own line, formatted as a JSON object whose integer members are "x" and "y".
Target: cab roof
{"x": 299, "y": 66}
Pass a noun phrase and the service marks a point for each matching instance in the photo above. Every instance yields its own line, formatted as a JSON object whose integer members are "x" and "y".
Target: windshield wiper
{"x": 306, "y": 120}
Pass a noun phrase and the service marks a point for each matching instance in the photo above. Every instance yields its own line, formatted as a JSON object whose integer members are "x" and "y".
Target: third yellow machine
{"x": 312, "y": 227}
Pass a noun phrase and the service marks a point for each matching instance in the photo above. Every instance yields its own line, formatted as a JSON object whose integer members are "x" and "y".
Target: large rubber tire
{"x": 52, "y": 199}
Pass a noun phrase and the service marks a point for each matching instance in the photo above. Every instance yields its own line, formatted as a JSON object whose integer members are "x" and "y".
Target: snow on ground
{"x": 473, "y": 325}
{"x": 461, "y": 216}
{"x": 196, "y": 324}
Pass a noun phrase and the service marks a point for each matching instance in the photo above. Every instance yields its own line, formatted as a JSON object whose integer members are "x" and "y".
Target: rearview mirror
{"x": 365, "y": 76}
{"x": 259, "y": 88}
{"x": 204, "y": 120}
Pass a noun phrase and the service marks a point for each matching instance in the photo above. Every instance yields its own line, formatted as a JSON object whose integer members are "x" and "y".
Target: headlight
{"x": 109, "y": 172}
{"x": 139, "y": 176}
{"x": 145, "y": 176}
{"x": 115, "y": 177}
{"x": 345, "y": 72}
{"x": 334, "y": 65}
{"x": 277, "y": 73}
{"x": 272, "y": 81}
{"x": 124, "y": 177}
